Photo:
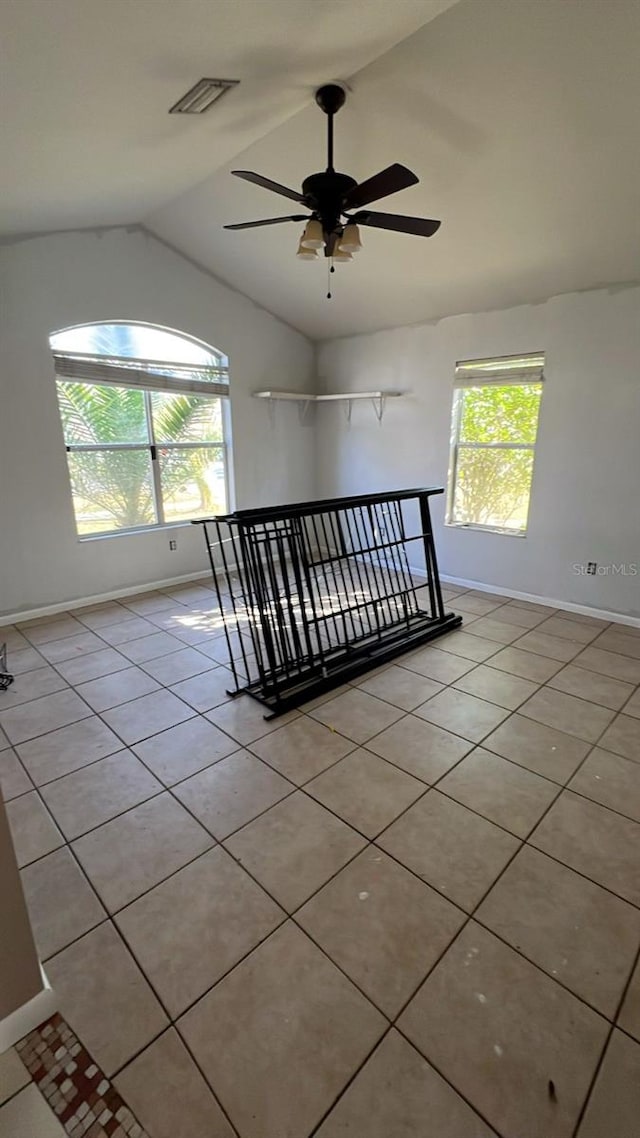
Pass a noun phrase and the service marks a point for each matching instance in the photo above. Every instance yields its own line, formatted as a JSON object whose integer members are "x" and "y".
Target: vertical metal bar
{"x": 245, "y": 592}
{"x": 363, "y": 570}
{"x": 383, "y": 556}
{"x": 219, "y": 595}
{"x": 412, "y": 599}
{"x": 377, "y": 576}
{"x": 318, "y": 574}
{"x": 304, "y": 658}
{"x": 272, "y": 593}
{"x": 258, "y": 540}
{"x": 344, "y": 562}
{"x": 366, "y": 616}
{"x": 300, "y": 534}
{"x": 403, "y": 557}
{"x": 433, "y": 578}
{"x": 250, "y": 545}
{"x": 391, "y": 557}
{"x": 261, "y": 539}
{"x": 397, "y": 551}
{"x": 374, "y": 593}
{"x": 247, "y": 599}
{"x": 332, "y": 568}
{"x": 327, "y": 595}
{"x": 376, "y": 560}
{"x": 285, "y": 587}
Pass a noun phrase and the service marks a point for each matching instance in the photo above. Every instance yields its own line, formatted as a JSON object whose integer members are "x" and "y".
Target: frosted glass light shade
{"x": 313, "y": 237}
{"x": 350, "y": 242}
{"x": 340, "y": 255}
{"x": 306, "y": 254}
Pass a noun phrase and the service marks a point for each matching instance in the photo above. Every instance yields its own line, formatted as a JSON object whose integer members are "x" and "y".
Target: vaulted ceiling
{"x": 520, "y": 119}
{"x": 87, "y": 84}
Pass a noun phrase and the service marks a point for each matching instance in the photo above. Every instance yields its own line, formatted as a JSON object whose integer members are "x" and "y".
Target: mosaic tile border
{"x": 83, "y": 1099}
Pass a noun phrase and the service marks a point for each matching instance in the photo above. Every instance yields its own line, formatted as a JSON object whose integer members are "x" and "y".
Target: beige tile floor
{"x": 24, "y": 1111}
{"x": 410, "y": 909}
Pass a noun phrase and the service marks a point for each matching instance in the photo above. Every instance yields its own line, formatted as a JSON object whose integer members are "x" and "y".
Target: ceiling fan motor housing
{"x": 324, "y": 193}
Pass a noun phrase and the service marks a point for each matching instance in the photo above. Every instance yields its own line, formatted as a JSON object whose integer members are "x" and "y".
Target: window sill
{"x": 132, "y": 532}
{"x": 486, "y": 529}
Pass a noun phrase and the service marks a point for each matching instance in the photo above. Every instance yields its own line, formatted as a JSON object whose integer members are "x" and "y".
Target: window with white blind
{"x": 145, "y": 418}
{"x": 496, "y": 404}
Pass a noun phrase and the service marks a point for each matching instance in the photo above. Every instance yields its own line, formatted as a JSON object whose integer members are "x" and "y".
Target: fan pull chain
{"x": 332, "y": 269}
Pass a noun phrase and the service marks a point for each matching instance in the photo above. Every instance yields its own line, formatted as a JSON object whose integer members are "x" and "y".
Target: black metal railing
{"x": 315, "y": 593}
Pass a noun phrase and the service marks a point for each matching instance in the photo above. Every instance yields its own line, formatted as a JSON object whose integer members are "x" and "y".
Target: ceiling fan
{"x": 332, "y": 197}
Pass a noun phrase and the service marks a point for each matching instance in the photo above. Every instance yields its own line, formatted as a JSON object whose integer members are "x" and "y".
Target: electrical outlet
{"x": 173, "y": 545}
{"x": 591, "y": 568}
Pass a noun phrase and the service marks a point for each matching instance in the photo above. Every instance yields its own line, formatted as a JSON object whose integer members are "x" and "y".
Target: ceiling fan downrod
{"x": 330, "y": 98}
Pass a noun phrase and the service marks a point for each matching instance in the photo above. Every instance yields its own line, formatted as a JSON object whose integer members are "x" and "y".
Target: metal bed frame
{"x": 5, "y": 675}
{"x": 316, "y": 593}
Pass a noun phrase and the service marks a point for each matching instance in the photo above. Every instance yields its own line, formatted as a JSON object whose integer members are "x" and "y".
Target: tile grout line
{"x": 110, "y": 919}
{"x": 14, "y": 1094}
{"x": 611, "y": 1023}
{"x": 469, "y": 918}
{"x": 166, "y": 686}
{"x": 394, "y": 1022}
{"x": 612, "y": 1026}
{"x": 247, "y": 746}
{"x": 371, "y": 842}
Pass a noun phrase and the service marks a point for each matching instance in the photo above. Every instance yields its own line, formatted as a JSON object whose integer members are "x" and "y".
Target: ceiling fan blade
{"x": 387, "y": 182}
{"x": 267, "y": 184}
{"x": 418, "y": 226}
{"x": 266, "y": 221}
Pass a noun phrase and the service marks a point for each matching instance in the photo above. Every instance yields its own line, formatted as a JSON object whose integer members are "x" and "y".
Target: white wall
{"x": 585, "y": 502}
{"x": 53, "y": 281}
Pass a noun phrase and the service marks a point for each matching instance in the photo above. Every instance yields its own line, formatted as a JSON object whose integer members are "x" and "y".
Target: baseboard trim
{"x": 99, "y": 598}
{"x": 551, "y": 602}
{"x": 29, "y": 1016}
{"x": 480, "y": 586}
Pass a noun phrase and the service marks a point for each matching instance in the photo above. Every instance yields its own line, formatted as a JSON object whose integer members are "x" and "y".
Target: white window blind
{"x": 502, "y": 370}
{"x": 150, "y": 375}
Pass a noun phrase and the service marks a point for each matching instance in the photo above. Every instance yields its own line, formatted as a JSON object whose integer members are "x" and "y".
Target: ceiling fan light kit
{"x": 330, "y": 196}
{"x": 313, "y": 237}
{"x": 350, "y": 241}
{"x": 306, "y": 254}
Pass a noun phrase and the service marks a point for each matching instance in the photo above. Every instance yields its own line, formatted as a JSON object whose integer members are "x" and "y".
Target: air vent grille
{"x": 202, "y": 96}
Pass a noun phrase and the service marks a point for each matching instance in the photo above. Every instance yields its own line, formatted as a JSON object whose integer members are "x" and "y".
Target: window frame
{"x": 471, "y": 375}
{"x": 151, "y": 445}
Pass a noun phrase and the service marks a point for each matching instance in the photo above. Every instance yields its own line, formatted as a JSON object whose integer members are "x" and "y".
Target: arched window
{"x": 144, "y": 415}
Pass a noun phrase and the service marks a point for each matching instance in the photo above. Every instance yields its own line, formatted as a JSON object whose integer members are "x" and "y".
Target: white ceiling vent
{"x": 202, "y": 96}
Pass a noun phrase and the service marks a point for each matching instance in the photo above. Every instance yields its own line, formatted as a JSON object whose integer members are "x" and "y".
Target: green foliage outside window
{"x": 113, "y": 488}
{"x": 492, "y": 481}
